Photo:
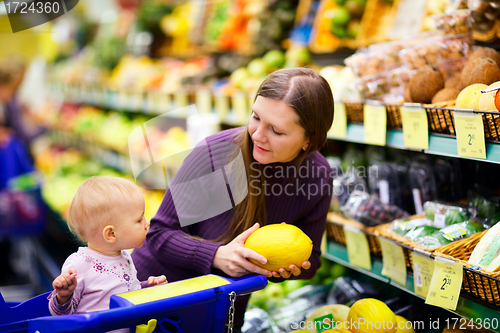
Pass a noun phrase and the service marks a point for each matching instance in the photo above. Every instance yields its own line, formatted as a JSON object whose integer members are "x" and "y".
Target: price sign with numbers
{"x": 470, "y": 135}
{"x": 339, "y": 127}
{"x": 423, "y": 269}
{"x": 375, "y": 124}
{"x": 358, "y": 251}
{"x": 393, "y": 259}
{"x": 444, "y": 289}
{"x": 415, "y": 130}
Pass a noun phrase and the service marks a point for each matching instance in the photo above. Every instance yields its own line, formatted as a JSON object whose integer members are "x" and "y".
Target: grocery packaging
{"x": 448, "y": 234}
{"x": 369, "y": 210}
{"x": 448, "y": 176}
{"x": 486, "y": 205}
{"x": 422, "y": 184}
{"x": 486, "y": 253}
{"x": 404, "y": 226}
{"x": 444, "y": 214}
{"x": 454, "y": 23}
{"x": 383, "y": 181}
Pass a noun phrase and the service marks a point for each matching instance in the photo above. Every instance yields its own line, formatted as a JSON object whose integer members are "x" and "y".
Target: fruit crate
{"x": 335, "y": 223}
{"x": 480, "y": 285}
{"x": 440, "y": 121}
{"x": 354, "y": 114}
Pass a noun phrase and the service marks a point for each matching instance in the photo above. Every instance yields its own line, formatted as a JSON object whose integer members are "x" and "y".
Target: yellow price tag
{"x": 415, "y": 129}
{"x": 446, "y": 282}
{"x": 375, "y": 124}
{"x": 240, "y": 107}
{"x": 222, "y": 106}
{"x": 393, "y": 259}
{"x": 204, "y": 101}
{"x": 470, "y": 135}
{"x": 181, "y": 99}
{"x": 358, "y": 251}
{"x": 423, "y": 269}
{"x": 339, "y": 127}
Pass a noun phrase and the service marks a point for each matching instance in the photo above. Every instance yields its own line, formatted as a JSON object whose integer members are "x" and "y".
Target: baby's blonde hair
{"x": 97, "y": 203}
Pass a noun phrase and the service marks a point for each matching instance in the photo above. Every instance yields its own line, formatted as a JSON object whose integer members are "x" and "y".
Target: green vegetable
{"x": 418, "y": 232}
{"x": 453, "y": 216}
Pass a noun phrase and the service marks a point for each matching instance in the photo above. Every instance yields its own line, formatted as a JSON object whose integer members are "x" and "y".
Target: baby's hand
{"x": 156, "y": 280}
{"x": 64, "y": 285}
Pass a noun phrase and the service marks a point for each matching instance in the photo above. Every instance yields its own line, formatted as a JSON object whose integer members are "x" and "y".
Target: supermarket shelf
{"x": 466, "y": 308}
{"x": 438, "y": 145}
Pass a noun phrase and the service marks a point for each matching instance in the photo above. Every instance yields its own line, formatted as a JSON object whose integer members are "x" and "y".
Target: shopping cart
{"x": 201, "y": 304}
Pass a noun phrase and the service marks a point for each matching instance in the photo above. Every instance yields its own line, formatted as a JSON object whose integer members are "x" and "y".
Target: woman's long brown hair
{"x": 310, "y": 95}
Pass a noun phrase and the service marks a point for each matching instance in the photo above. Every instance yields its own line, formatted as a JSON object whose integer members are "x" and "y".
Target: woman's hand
{"x": 232, "y": 258}
{"x": 292, "y": 269}
{"x": 64, "y": 285}
{"x": 156, "y": 280}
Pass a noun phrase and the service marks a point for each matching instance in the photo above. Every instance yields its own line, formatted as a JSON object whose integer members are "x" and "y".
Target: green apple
{"x": 274, "y": 59}
{"x": 274, "y": 290}
{"x": 257, "y": 67}
{"x": 338, "y": 30}
{"x": 340, "y": 16}
{"x": 239, "y": 76}
{"x": 338, "y": 270}
{"x": 292, "y": 285}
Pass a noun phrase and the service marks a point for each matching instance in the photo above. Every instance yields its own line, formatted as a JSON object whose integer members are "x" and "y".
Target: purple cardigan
{"x": 168, "y": 251}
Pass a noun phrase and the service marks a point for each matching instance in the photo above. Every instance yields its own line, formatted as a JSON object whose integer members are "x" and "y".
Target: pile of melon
{"x": 364, "y": 316}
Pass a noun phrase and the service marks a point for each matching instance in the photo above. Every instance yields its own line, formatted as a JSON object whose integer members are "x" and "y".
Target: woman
{"x": 287, "y": 180}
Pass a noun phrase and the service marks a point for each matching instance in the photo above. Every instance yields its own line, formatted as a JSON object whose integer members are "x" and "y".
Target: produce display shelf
{"x": 466, "y": 308}
{"x": 438, "y": 145}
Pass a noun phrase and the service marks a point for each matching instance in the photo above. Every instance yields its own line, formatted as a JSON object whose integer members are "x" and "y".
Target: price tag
{"x": 444, "y": 290}
{"x": 423, "y": 269}
{"x": 358, "y": 251}
{"x": 415, "y": 129}
{"x": 204, "y": 101}
{"x": 240, "y": 107}
{"x": 375, "y": 124}
{"x": 181, "y": 99}
{"x": 164, "y": 102}
{"x": 222, "y": 106}
{"x": 470, "y": 135}
{"x": 393, "y": 258}
{"x": 339, "y": 127}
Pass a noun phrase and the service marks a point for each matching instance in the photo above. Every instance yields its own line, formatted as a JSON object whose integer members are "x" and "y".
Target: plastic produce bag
{"x": 422, "y": 184}
{"x": 444, "y": 214}
{"x": 383, "y": 181}
{"x": 369, "y": 210}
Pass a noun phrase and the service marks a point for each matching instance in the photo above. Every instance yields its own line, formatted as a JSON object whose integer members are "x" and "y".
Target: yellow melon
{"x": 369, "y": 315}
{"x": 281, "y": 244}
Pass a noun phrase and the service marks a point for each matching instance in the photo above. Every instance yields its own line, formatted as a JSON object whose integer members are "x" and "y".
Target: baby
{"x": 107, "y": 213}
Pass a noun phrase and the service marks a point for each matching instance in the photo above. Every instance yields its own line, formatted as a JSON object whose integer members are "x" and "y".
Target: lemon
{"x": 281, "y": 244}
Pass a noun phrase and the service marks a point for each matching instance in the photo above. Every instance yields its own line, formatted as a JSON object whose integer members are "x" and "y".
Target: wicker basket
{"x": 478, "y": 283}
{"x": 335, "y": 223}
{"x": 354, "y": 112}
{"x": 394, "y": 119}
{"x": 407, "y": 244}
{"x": 440, "y": 118}
{"x": 491, "y": 121}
